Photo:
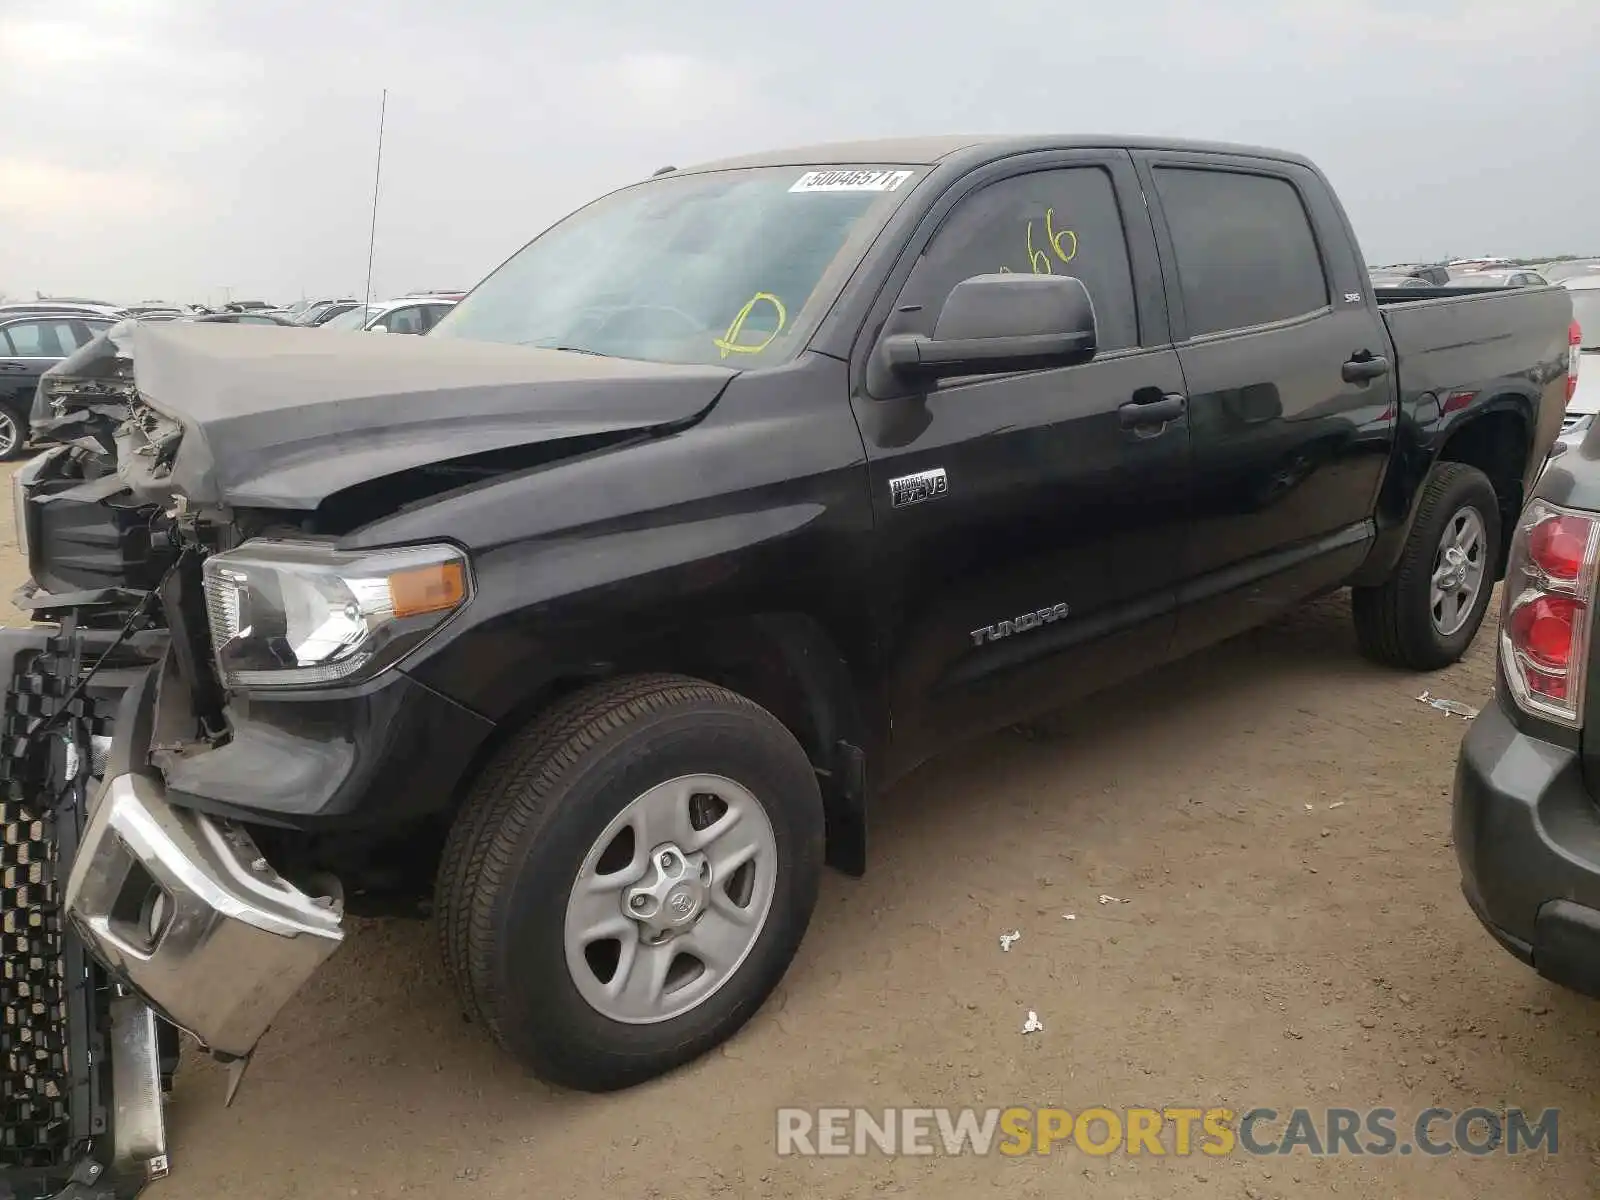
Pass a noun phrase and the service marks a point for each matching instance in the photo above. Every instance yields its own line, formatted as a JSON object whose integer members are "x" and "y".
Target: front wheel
{"x": 631, "y": 878}
{"x": 13, "y": 432}
{"x": 1427, "y": 613}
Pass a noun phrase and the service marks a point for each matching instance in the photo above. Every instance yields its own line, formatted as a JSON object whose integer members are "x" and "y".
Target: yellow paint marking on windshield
{"x": 729, "y": 342}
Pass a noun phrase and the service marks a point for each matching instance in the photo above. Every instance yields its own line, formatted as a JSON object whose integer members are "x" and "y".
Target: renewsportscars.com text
{"x": 1179, "y": 1131}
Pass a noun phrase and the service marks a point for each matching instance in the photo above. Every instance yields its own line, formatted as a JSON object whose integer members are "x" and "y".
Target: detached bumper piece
{"x": 65, "y": 1031}
{"x": 185, "y": 909}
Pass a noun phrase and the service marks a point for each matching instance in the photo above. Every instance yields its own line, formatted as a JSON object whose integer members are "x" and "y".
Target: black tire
{"x": 533, "y": 816}
{"x": 18, "y": 417}
{"x": 1394, "y": 622}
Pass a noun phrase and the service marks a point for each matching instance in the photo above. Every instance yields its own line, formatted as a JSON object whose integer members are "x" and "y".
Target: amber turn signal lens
{"x": 431, "y": 589}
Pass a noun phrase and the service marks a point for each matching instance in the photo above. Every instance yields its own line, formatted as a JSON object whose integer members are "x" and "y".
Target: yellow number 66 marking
{"x": 1055, "y": 237}
{"x": 1039, "y": 260}
{"x": 729, "y": 342}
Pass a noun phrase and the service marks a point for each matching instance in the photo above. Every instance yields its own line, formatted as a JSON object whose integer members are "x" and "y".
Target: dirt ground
{"x": 1276, "y": 815}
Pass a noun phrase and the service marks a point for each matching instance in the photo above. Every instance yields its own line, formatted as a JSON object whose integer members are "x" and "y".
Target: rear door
{"x": 1031, "y": 526}
{"x": 1291, "y": 395}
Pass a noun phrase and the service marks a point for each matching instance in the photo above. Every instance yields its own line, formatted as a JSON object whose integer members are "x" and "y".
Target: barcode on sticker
{"x": 850, "y": 181}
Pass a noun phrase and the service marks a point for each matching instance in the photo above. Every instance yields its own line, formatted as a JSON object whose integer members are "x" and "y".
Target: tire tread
{"x": 514, "y": 794}
{"x": 1380, "y": 612}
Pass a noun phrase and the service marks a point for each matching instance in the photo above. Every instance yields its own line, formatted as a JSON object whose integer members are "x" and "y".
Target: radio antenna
{"x": 377, "y": 179}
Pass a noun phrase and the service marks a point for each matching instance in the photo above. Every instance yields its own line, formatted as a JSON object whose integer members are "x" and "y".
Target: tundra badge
{"x": 1022, "y": 624}
{"x": 914, "y": 489}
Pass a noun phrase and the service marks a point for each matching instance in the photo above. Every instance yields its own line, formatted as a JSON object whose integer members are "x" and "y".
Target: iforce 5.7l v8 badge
{"x": 914, "y": 489}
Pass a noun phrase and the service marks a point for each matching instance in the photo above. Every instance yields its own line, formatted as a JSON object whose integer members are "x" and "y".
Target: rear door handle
{"x": 1364, "y": 368}
{"x": 1156, "y": 411}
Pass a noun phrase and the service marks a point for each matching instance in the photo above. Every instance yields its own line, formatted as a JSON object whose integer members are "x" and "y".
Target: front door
{"x": 1030, "y": 522}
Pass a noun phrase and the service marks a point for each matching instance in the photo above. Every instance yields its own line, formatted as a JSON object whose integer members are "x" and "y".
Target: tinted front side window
{"x": 1048, "y": 223}
{"x": 1246, "y": 253}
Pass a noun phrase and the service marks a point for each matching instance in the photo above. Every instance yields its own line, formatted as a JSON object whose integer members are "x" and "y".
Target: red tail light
{"x": 1574, "y": 351}
{"x": 1548, "y": 610}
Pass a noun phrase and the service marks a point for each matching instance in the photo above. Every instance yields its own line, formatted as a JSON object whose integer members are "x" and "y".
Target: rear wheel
{"x": 631, "y": 878}
{"x": 1427, "y": 613}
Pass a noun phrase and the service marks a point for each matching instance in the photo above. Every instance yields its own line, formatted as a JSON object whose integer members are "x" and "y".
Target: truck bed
{"x": 1459, "y": 339}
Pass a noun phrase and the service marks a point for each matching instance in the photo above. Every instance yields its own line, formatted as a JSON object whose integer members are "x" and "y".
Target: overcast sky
{"x": 173, "y": 148}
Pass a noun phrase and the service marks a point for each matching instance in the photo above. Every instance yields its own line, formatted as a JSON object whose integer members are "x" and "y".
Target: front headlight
{"x": 293, "y": 614}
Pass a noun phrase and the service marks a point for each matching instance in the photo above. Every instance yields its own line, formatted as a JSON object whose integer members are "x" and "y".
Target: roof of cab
{"x": 926, "y": 151}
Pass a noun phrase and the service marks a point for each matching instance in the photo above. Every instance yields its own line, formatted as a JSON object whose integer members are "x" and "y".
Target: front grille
{"x": 48, "y": 986}
{"x": 36, "y": 1083}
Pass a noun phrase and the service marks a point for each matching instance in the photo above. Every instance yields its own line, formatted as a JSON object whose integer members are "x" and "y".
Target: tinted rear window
{"x": 1246, "y": 253}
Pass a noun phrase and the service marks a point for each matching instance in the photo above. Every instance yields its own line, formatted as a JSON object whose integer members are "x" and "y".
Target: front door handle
{"x": 1156, "y": 411}
{"x": 1364, "y": 368}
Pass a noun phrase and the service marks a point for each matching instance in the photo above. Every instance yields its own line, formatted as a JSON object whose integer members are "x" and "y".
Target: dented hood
{"x": 283, "y": 418}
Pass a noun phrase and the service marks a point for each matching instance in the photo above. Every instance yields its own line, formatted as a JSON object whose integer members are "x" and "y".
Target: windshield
{"x": 355, "y": 319}
{"x": 1586, "y": 311}
{"x": 729, "y": 267}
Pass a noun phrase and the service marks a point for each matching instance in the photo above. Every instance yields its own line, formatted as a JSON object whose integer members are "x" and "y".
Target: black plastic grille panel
{"x": 35, "y": 1085}
{"x": 40, "y": 780}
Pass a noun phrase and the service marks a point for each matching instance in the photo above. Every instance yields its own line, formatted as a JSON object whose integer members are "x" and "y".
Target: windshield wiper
{"x": 567, "y": 349}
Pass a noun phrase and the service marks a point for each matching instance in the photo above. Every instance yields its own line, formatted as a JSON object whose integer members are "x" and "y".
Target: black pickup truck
{"x": 592, "y": 620}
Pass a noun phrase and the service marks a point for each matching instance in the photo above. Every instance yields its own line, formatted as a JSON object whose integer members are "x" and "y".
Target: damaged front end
{"x": 123, "y": 918}
{"x": 198, "y": 537}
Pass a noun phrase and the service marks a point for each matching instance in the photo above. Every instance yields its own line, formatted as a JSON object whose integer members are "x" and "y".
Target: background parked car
{"x": 1499, "y": 277}
{"x": 1391, "y": 279}
{"x": 324, "y": 311}
{"x": 1571, "y": 268}
{"x": 1584, "y": 403}
{"x": 104, "y": 364}
{"x": 254, "y": 317}
{"x": 30, "y": 344}
{"x": 407, "y": 314}
{"x": 1436, "y": 274}
{"x": 93, "y": 308}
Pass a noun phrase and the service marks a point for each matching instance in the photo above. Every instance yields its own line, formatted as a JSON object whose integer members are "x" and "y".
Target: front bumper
{"x": 1527, "y": 837}
{"x": 188, "y": 913}
{"x": 183, "y": 908}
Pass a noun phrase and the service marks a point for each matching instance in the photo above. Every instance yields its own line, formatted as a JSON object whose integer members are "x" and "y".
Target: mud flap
{"x": 82, "y": 1064}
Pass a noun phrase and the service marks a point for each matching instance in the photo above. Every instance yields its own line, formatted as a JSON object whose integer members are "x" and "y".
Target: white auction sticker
{"x": 850, "y": 181}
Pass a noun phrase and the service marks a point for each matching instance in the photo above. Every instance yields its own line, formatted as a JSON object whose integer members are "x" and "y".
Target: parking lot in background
{"x": 1275, "y": 815}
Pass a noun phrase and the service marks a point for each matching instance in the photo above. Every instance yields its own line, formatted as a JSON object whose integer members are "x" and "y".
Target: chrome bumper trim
{"x": 186, "y": 910}
{"x": 138, "y": 1123}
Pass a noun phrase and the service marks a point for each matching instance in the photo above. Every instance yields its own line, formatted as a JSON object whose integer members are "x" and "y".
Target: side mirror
{"x": 1004, "y": 322}
{"x": 379, "y": 329}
